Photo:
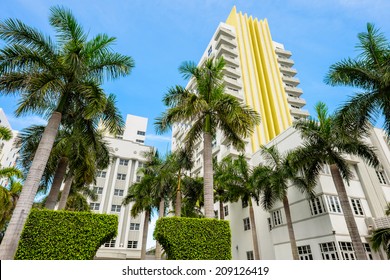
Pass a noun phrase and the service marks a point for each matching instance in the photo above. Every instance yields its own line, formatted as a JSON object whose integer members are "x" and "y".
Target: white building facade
{"x": 127, "y": 156}
{"x": 9, "y": 151}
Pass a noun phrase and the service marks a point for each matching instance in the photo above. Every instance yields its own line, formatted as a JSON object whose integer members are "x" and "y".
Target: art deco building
{"x": 259, "y": 72}
{"x": 127, "y": 156}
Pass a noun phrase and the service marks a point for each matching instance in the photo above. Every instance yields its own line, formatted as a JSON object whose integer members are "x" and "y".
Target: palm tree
{"x": 276, "y": 175}
{"x": 51, "y": 78}
{"x": 241, "y": 181}
{"x": 141, "y": 194}
{"x": 79, "y": 147}
{"x": 221, "y": 191}
{"x": 207, "y": 109}
{"x": 151, "y": 192}
{"x": 179, "y": 162}
{"x": 5, "y": 133}
{"x": 324, "y": 142}
{"x": 381, "y": 237}
{"x": 9, "y": 194}
{"x": 370, "y": 72}
{"x": 192, "y": 203}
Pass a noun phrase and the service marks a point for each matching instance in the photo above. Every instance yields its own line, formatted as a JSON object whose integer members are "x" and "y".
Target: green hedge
{"x": 64, "y": 235}
{"x": 194, "y": 239}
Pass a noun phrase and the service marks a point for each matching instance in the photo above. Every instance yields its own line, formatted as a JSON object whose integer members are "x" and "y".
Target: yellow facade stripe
{"x": 282, "y": 97}
{"x": 247, "y": 58}
{"x": 262, "y": 81}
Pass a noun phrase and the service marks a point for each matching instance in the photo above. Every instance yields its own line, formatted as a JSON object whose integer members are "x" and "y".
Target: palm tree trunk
{"x": 65, "y": 193}
{"x": 291, "y": 234}
{"x": 57, "y": 181}
{"x": 348, "y": 215}
{"x": 10, "y": 242}
{"x": 208, "y": 176}
{"x": 161, "y": 211}
{"x": 178, "y": 197}
{"x": 145, "y": 234}
{"x": 221, "y": 212}
{"x": 256, "y": 251}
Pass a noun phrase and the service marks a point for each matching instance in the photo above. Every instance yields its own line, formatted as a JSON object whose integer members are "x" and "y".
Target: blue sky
{"x": 161, "y": 34}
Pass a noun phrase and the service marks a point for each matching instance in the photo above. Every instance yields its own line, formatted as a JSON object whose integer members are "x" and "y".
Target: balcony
{"x": 286, "y": 61}
{"x": 288, "y": 70}
{"x": 225, "y": 40}
{"x": 229, "y": 51}
{"x": 225, "y": 32}
{"x": 229, "y": 71}
{"x": 290, "y": 80}
{"x": 232, "y": 82}
{"x": 235, "y": 92}
{"x": 293, "y": 90}
{"x": 296, "y": 100}
{"x": 283, "y": 52}
{"x": 299, "y": 112}
{"x": 232, "y": 61}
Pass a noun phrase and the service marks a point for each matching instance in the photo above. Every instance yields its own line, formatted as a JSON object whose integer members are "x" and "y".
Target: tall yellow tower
{"x": 262, "y": 82}
{"x": 259, "y": 73}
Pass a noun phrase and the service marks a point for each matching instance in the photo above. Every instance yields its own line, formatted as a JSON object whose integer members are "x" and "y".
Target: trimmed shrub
{"x": 194, "y": 239}
{"x": 64, "y": 235}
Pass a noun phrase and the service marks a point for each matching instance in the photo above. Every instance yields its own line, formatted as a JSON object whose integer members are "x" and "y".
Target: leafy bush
{"x": 194, "y": 239}
{"x": 63, "y": 235}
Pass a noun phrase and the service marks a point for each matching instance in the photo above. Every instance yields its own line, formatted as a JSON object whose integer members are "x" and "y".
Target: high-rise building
{"x": 259, "y": 73}
{"x": 127, "y": 156}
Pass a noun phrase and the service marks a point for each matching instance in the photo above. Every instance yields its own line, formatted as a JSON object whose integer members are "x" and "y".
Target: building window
{"x": 210, "y": 50}
{"x": 226, "y": 210}
{"x": 138, "y": 179}
{"x": 139, "y": 141}
{"x": 101, "y": 174}
{"x": 325, "y": 169}
{"x": 141, "y": 164}
{"x": 367, "y": 248}
{"x": 249, "y": 255}
{"x": 333, "y": 204}
{"x": 141, "y": 133}
{"x": 118, "y": 192}
{"x": 305, "y": 252}
{"x": 121, "y": 176}
{"x": 247, "y": 224}
{"x": 110, "y": 243}
{"x": 134, "y": 226}
{"x": 316, "y": 206}
{"x": 357, "y": 206}
{"x": 269, "y": 224}
{"x": 124, "y": 162}
{"x": 347, "y": 251}
{"x": 276, "y": 218}
{"x": 98, "y": 190}
{"x": 132, "y": 244}
{"x": 244, "y": 203}
{"x": 216, "y": 214}
{"x": 94, "y": 206}
{"x": 381, "y": 177}
{"x": 115, "y": 208}
{"x": 328, "y": 251}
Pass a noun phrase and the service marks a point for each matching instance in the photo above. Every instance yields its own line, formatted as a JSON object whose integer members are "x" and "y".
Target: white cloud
{"x": 158, "y": 138}
{"x": 23, "y": 122}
